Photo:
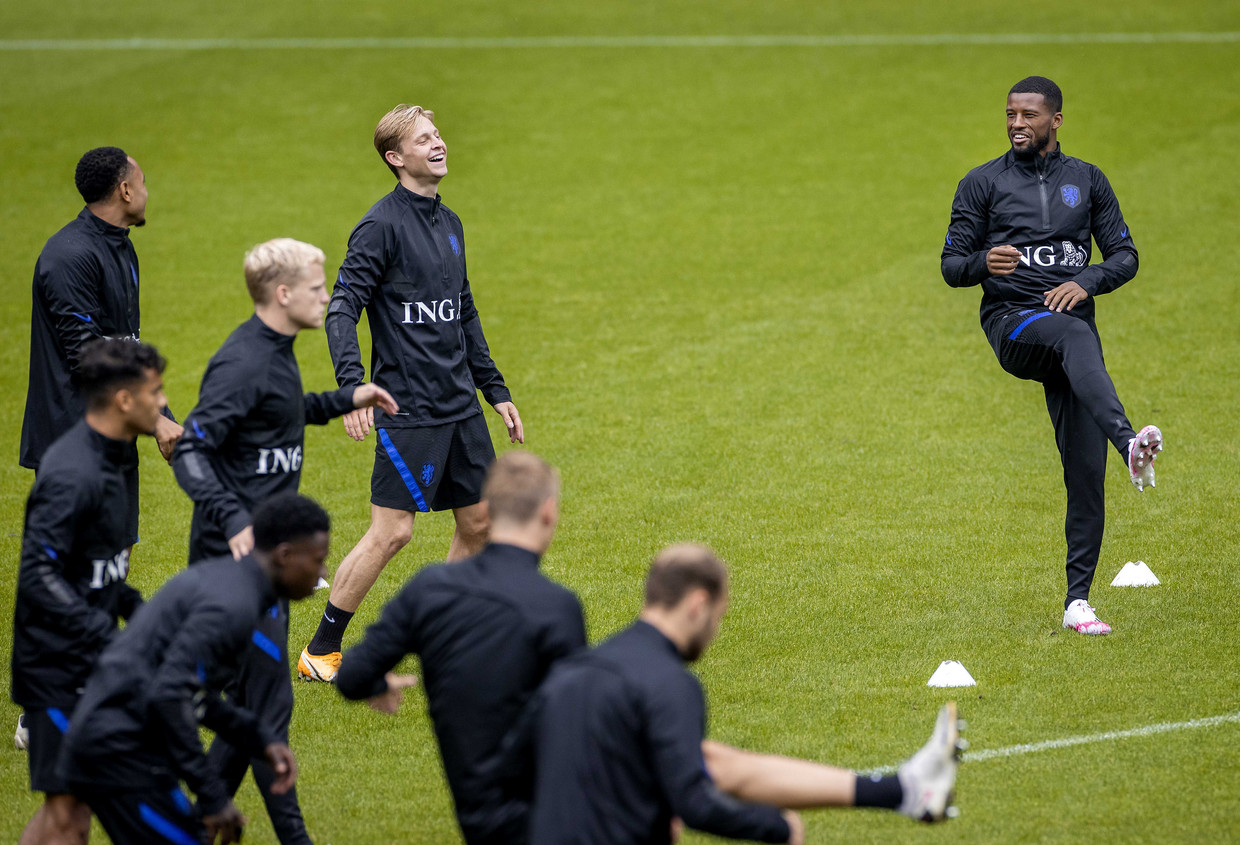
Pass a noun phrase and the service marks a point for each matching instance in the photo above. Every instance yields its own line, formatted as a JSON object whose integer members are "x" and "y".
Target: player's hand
{"x": 370, "y": 395}
{"x": 225, "y": 826}
{"x": 678, "y": 829}
{"x": 167, "y": 433}
{"x": 1002, "y": 260}
{"x": 284, "y": 764}
{"x": 516, "y": 432}
{"x": 389, "y": 701}
{"x": 796, "y": 827}
{"x": 242, "y": 543}
{"x": 357, "y": 424}
{"x": 1065, "y": 296}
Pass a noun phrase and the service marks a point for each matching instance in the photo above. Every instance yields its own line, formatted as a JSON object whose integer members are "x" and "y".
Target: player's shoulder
{"x": 990, "y": 171}
{"x": 1079, "y": 165}
{"x": 244, "y": 351}
{"x": 73, "y": 244}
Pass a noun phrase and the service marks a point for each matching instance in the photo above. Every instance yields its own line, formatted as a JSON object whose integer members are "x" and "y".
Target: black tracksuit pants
{"x": 264, "y": 687}
{"x": 1064, "y": 353}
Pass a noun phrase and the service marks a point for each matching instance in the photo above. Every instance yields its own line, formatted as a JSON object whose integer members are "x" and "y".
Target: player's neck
{"x": 669, "y": 624}
{"x": 111, "y": 425}
{"x": 111, "y": 213}
{"x": 533, "y": 538}
{"x": 422, "y": 187}
{"x": 276, "y": 318}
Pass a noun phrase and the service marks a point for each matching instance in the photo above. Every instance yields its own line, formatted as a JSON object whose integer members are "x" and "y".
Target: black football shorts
{"x": 47, "y": 732}
{"x": 432, "y": 468}
{"x": 164, "y": 815}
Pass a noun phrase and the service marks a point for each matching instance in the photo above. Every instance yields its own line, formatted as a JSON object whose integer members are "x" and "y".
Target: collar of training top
{"x": 1043, "y": 163}
{"x": 114, "y": 451}
{"x": 102, "y": 226}
{"x": 516, "y": 553}
{"x": 427, "y": 204}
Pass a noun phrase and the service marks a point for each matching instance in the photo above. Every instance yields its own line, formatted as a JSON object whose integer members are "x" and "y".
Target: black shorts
{"x": 432, "y": 468}
{"x": 164, "y": 815}
{"x": 47, "y": 733}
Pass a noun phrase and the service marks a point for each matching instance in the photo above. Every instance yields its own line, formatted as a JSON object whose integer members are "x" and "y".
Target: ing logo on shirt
{"x": 456, "y": 245}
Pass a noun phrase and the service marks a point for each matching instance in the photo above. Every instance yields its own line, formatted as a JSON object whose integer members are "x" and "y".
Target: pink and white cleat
{"x": 1142, "y": 450}
{"x": 1080, "y": 617}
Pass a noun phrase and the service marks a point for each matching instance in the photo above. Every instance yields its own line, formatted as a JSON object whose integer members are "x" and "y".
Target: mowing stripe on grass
{"x": 1068, "y": 742}
{"x": 953, "y": 39}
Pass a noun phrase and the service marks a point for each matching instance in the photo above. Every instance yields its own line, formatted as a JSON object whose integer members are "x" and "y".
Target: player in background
{"x": 71, "y": 586}
{"x": 86, "y": 287}
{"x": 134, "y": 735}
{"x": 1021, "y": 227}
{"x": 244, "y": 444}
{"x": 630, "y": 709}
{"x": 487, "y": 630}
{"x": 405, "y": 268}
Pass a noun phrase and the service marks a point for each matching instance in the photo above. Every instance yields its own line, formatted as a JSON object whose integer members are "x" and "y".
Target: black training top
{"x": 406, "y": 268}
{"x": 487, "y": 630}
{"x": 136, "y": 726}
{"x": 243, "y": 442}
{"x": 1048, "y": 208}
{"x": 75, "y": 558}
{"x": 85, "y": 286}
{"x": 618, "y": 751}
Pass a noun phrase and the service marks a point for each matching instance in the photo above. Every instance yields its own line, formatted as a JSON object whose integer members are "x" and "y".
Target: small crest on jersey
{"x": 1071, "y": 195}
{"x": 456, "y": 245}
{"x": 428, "y": 473}
{"x": 1073, "y": 255}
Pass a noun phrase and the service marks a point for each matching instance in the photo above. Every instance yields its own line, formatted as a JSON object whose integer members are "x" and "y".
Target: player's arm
{"x": 324, "y": 407}
{"x": 71, "y": 288}
{"x": 51, "y": 518}
{"x": 228, "y": 394}
{"x": 675, "y": 724}
{"x": 486, "y": 375}
{"x": 363, "y": 269}
{"x": 181, "y": 690}
{"x": 365, "y": 669}
{"x": 965, "y": 261}
{"x": 564, "y": 635}
{"x": 1119, "y": 253}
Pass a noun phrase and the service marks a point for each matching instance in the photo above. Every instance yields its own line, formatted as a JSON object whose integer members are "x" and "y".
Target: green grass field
{"x": 710, "y": 275}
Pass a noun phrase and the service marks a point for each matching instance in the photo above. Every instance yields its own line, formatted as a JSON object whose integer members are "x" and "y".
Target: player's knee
{"x": 65, "y": 819}
{"x": 473, "y": 523}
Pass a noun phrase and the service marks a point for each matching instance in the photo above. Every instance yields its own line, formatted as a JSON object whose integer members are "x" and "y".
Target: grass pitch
{"x": 710, "y": 275}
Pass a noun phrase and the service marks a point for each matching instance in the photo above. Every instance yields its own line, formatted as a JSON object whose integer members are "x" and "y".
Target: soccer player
{"x": 243, "y": 445}
{"x": 406, "y": 268}
{"x": 618, "y": 737}
{"x": 75, "y": 558}
{"x": 1021, "y": 227}
{"x": 487, "y": 630}
{"x": 86, "y": 287}
{"x": 134, "y": 734}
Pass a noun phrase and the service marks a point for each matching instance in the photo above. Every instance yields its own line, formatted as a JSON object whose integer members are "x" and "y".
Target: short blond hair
{"x": 279, "y": 261}
{"x": 517, "y": 486}
{"x": 395, "y": 126}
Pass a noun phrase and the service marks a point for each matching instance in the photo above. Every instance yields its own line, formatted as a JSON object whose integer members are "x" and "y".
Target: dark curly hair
{"x": 286, "y": 517}
{"x": 99, "y": 172}
{"x": 108, "y": 364}
{"x": 1041, "y": 85}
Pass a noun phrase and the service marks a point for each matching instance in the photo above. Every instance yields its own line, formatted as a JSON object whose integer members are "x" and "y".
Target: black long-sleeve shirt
{"x": 619, "y": 731}
{"x": 75, "y": 558}
{"x": 136, "y": 725}
{"x": 243, "y": 443}
{"x": 488, "y": 629}
{"x": 1048, "y": 208}
{"x": 85, "y": 287}
{"x": 406, "y": 268}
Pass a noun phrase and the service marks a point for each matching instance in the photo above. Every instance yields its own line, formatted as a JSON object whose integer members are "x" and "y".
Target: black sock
{"x": 331, "y": 630}
{"x": 878, "y": 791}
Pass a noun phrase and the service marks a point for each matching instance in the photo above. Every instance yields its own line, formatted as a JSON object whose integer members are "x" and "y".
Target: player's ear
{"x": 1057, "y": 120}
{"x": 394, "y": 158}
{"x": 282, "y": 295}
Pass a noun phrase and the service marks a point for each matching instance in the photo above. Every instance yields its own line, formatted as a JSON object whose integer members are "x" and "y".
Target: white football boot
{"x": 929, "y": 776}
{"x": 1080, "y": 617}
{"x": 21, "y": 738}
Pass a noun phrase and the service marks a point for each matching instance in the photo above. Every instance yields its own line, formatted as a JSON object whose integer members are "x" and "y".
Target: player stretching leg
{"x": 406, "y": 268}
{"x": 1021, "y": 227}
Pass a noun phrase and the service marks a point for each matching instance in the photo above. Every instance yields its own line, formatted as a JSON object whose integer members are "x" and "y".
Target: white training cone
{"x": 1135, "y": 575}
{"x": 951, "y": 673}
{"x": 322, "y": 584}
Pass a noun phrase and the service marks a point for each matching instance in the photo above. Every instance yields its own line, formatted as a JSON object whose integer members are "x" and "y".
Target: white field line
{"x": 539, "y": 42}
{"x": 1068, "y": 742}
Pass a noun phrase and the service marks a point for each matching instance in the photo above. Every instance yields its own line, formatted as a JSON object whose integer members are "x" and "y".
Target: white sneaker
{"x": 21, "y": 739}
{"x": 929, "y": 776}
{"x": 1080, "y": 617}
{"x": 1142, "y": 450}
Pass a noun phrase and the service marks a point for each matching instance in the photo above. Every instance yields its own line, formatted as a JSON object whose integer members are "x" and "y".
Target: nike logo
{"x": 328, "y": 618}
{"x": 1124, "y": 233}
